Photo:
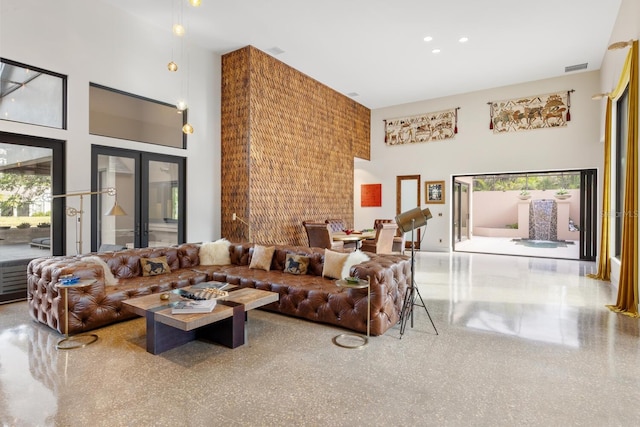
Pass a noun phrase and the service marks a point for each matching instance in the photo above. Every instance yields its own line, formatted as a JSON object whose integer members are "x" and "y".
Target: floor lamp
{"x": 409, "y": 221}
{"x": 115, "y": 210}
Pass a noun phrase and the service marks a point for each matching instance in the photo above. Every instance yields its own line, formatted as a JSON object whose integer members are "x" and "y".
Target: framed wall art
{"x": 371, "y": 195}
{"x": 434, "y": 191}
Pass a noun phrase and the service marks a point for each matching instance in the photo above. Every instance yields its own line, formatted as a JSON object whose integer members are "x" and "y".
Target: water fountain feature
{"x": 543, "y": 220}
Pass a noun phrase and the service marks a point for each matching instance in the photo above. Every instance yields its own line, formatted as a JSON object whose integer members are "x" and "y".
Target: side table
{"x": 70, "y": 342}
{"x": 339, "y": 339}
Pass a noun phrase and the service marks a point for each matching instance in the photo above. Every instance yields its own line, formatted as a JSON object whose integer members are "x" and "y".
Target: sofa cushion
{"x": 333, "y": 264}
{"x": 215, "y": 253}
{"x": 296, "y": 264}
{"x": 262, "y": 256}
{"x": 154, "y": 266}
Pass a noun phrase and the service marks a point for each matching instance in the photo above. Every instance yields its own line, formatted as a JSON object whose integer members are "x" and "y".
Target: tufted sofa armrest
{"x": 46, "y": 302}
{"x": 389, "y": 277}
{"x": 99, "y": 304}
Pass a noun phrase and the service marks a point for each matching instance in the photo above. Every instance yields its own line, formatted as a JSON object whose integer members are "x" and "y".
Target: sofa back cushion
{"x": 126, "y": 264}
{"x": 240, "y": 254}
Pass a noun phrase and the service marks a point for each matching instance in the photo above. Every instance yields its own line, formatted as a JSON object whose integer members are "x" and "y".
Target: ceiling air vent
{"x": 275, "y": 51}
{"x": 576, "y": 67}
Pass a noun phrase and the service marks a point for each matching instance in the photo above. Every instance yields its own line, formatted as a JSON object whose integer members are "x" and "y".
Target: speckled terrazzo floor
{"x": 523, "y": 341}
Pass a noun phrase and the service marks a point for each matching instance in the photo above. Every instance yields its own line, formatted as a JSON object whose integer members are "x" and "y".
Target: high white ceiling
{"x": 375, "y": 48}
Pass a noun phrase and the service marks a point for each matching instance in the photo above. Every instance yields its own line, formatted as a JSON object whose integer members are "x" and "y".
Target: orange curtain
{"x": 604, "y": 264}
{"x": 627, "y": 302}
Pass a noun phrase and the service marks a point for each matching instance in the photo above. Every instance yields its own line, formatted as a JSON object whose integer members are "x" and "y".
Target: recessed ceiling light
{"x": 463, "y": 39}
{"x": 428, "y": 38}
{"x": 435, "y": 51}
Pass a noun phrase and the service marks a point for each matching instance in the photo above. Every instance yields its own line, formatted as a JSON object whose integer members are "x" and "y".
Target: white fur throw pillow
{"x": 109, "y": 278}
{"x": 215, "y": 253}
{"x": 354, "y": 258}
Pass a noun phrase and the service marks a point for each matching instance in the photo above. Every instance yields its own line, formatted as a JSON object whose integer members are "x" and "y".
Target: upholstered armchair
{"x": 399, "y": 238}
{"x": 383, "y": 242}
{"x": 320, "y": 237}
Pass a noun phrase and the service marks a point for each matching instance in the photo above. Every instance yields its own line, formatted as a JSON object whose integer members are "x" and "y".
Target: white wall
{"x": 90, "y": 41}
{"x": 476, "y": 149}
{"x": 627, "y": 27}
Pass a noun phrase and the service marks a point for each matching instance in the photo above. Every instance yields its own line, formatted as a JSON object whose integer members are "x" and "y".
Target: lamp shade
{"x": 115, "y": 210}
{"x": 413, "y": 218}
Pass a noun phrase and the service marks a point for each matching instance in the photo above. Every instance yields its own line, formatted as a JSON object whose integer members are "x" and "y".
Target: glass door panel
{"x": 162, "y": 203}
{"x": 407, "y": 198}
{"x": 32, "y": 223}
{"x": 116, "y": 232}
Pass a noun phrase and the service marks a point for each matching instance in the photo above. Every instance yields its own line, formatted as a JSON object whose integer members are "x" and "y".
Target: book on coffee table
{"x": 194, "y": 306}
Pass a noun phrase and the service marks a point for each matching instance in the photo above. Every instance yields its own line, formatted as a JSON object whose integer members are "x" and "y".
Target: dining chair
{"x": 398, "y": 239}
{"x": 319, "y": 236}
{"x": 383, "y": 242}
{"x": 338, "y": 226}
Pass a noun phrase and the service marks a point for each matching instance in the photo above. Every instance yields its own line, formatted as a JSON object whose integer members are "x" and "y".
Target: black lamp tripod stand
{"x": 413, "y": 293}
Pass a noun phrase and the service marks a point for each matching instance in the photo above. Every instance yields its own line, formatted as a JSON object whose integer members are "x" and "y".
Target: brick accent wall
{"x": 288, "y": 144}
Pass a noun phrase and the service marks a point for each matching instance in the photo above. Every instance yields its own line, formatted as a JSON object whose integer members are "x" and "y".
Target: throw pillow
{"x": 262, "y": 256}
{"x": 296, "y": 264}
{"x": 354, "y": 258}
{"x": 215, "y": 253}
{"x": 154, "y": 266}
{"x": 109, "y": 278}
{"x": 333, "y": 263}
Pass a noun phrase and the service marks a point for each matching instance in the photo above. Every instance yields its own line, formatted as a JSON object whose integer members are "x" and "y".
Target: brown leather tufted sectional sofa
{"x": 307, "y": 296}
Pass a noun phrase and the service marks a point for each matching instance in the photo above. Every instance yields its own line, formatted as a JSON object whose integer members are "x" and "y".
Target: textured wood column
{"x": 288, "y": 144}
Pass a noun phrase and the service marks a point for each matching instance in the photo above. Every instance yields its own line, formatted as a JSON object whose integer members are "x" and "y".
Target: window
{"x": 118, "y": 114}
{"x": 622, "y": 114}
{"x": 32, "y": 95}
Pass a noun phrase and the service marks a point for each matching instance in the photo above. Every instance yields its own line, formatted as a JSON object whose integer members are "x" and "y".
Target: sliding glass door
{"x": 149, "y": 189}
{"x": 31, "y": 223}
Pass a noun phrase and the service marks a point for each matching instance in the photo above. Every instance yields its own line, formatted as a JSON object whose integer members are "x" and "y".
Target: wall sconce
{"x": 115, "y": 210}
{"x": 235, "y": 217}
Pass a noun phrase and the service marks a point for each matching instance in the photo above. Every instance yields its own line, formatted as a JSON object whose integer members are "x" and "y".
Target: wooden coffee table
{"x": 224, "y": 325}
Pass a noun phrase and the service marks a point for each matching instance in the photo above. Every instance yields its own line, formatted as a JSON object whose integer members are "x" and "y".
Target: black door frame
{"x": 58, "y": 183}
{"x": 588, "y": 207}
{"x": 141, "y": 214}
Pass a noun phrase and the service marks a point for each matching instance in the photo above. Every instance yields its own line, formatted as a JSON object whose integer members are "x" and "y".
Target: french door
{"x": 150, "y": 189}
{"x": 460, "y": 211}
{"x": 407, "y": 198}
